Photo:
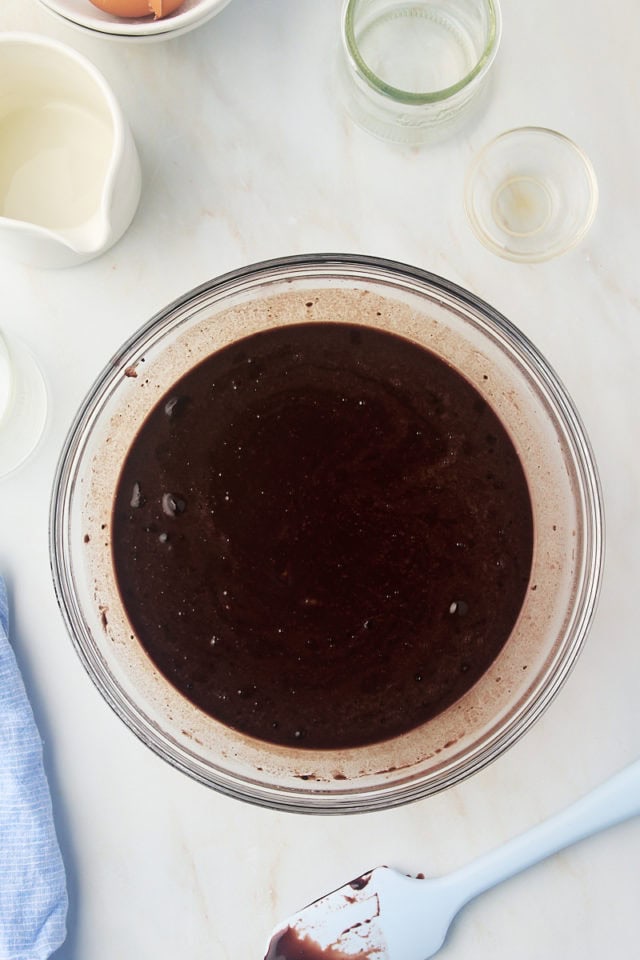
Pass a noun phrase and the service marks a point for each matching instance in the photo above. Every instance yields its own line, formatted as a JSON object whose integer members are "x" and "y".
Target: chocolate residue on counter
{"x": 335, "y": 537}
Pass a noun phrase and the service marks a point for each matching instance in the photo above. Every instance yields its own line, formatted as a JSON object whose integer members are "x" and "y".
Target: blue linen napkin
{"x": 33, "y": 890}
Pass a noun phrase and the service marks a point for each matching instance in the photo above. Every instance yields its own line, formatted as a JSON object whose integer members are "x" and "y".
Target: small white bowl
{"x": 83, "y": 14}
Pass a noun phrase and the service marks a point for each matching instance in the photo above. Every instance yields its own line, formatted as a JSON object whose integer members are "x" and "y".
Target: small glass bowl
{"x": 507, "y": 371}
{"x": 23, "y": 405}
{"x": 531, "y": 194}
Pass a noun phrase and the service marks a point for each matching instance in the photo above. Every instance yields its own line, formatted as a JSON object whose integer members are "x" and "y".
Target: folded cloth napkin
{"x": 33, "y": 890}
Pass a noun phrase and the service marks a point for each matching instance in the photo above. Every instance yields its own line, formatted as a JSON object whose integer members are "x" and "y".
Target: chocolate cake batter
{"x": 322, "y": 535}
{"x": 289, "y": 945}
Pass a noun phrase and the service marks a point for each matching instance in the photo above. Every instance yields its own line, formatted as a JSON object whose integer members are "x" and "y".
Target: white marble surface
{"x": 245, "y": 156}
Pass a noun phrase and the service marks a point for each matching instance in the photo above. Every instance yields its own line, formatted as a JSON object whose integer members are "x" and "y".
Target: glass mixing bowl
{"x": 503, "y": 366}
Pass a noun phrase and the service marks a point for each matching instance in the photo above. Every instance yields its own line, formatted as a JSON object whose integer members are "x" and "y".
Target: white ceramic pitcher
{"x": 69, "y": 169}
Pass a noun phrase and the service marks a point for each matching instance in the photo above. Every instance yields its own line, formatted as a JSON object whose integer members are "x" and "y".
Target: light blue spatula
{"x": 385, "y": 915}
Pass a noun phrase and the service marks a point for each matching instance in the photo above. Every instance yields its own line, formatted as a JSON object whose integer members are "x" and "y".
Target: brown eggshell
{"x": 138, "y": 8}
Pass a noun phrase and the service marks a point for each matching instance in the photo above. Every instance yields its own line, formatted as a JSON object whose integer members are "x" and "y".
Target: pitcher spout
{"x": 33, "y": 244}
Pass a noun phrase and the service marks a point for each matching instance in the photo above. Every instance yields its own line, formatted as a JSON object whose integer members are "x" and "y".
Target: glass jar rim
{"x": 416, "y": 98}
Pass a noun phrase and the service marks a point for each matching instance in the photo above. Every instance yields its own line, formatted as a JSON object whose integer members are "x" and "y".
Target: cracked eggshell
{"x": 138, "y": 8}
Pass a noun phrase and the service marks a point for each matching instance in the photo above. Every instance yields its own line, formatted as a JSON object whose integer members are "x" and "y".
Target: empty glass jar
{"x": 409, "y": 69}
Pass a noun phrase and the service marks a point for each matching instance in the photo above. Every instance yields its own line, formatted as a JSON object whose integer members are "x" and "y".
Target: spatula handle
{"x": 612, "y": 802}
